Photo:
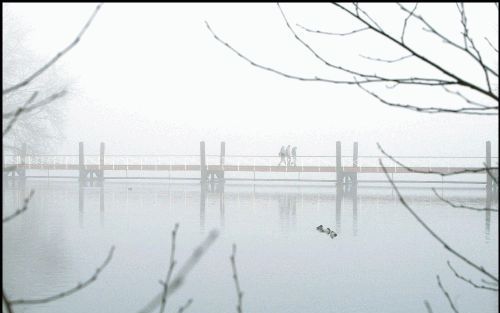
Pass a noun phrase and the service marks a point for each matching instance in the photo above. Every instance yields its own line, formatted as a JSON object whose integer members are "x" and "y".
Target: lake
{"x": 381, "y": 261}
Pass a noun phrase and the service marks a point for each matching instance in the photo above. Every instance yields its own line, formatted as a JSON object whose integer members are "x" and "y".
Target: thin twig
{"x": 38, "y": 104}
{"x": 428, "y": 306}
{"x": 409, "y": 169}
{"x": 182, "y": 308}
{"x": 183, "y": 272}
{"x": 446, "y": 294}
{"x": 55, "y": 58}
{"x": 491, "y": 45}
{"x": 330, "y": 33}
{"x": 68, "y": 292}
{"x": 410, "y": 14}
{"x": 490, "y": 174}
{"x": 467, "y": 280}
{"x": 461, "y": 206}
{"x": 386, "y": 60}
{"x": 18, "y": 112}
{"x": 236, "y": 281}
{"x": 170, "y": 270}
{"x": 430, "y": 231}
{"x": 8, "y": 304}
{"x": 21, "y": 210}
{"x": 464, "y": 110}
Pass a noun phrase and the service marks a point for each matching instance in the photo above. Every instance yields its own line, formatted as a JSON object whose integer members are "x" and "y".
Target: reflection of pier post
{"x": 338, "y": 162}
{"x": 203, "y": 198}
{"x": 101, "y": 203}
{"x": 338, "y": 205}
{"x": 81, "y": 202}
{"x": 355, "y": 210}
{"x": 203, "y": 164}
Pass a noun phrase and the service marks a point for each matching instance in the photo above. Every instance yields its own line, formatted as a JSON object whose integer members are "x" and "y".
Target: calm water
{"x": 382, "y": 260}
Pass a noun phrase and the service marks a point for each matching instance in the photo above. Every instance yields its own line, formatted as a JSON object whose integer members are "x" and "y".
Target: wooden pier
{"x": 18, "y": 165}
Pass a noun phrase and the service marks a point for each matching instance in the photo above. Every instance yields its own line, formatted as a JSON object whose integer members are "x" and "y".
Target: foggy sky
{"x": 150, "y": 78}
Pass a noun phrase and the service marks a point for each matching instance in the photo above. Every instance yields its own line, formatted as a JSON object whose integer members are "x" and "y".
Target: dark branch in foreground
{"x": 21, "y": 210}
{"x": 428, "y": 306}
{"x": 467, "y": 280}
{"x": 183, "y": 272}
{"x": 461, "y": 206}
{"x": 490, "y": 174}
{"x": 430, "y": 231}
{"x": 8, "y": 304}
{"x": 185, "y": 306}
{"x": 170, "y": 271}
{"x": 66, "y": 293}
{"x": 236, "y": 281}
{"x": 55, "y": 58}
{"x": 15, "y": 115}
{"x": 446, "y": 294}
{"x": 466, "y": 171}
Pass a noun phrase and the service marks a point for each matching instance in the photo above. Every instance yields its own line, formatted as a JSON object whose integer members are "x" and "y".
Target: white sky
{"x": 150, "y": 78}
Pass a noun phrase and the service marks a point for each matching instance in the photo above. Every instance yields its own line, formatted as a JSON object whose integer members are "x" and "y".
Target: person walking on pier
{"x": 288, "y": 156}
{"x": 282, "y": 155}
{"x": 294, "y": 156}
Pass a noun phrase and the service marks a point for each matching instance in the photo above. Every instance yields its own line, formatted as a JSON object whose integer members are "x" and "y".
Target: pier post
{"x": 81, "y": 160}
{"x": 203, "y": 164}
{"x": 338, "y": 158}
{"x": 355, "y": 162}
{"x": 22, "y": 169}
{"x": 222, "y": 157}
{"x": 101, "y": 162}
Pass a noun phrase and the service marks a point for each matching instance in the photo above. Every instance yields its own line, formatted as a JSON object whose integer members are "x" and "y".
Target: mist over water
{"x": 152, "y": 87}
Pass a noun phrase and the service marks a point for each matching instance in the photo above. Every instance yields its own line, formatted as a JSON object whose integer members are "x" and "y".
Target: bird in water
{"x": 328, "y": 231}
{"x": 320, "y": 228}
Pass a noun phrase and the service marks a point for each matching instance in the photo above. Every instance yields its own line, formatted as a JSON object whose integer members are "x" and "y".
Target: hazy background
{"x": 150, "y": 78}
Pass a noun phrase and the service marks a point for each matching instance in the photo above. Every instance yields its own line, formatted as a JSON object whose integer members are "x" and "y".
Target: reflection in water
{"x": 288, "y": 209}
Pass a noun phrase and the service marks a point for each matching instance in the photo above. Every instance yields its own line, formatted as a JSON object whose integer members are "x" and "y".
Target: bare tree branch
{"x": 7, "y": 302}
{"x": 490, "y": 174}
{"x": 55, "y": 58}
{"x": 406, "y": 22}
{"x": 428, "y": 306}
{"x": 430, "y": 231}
{"x": 18, "y": 112}
{"x": 21, "y": 210}
{"x": 446, "y": 294}
{"x": 236, "y": 281}
{"x": 465, "y": 171}
{"x": 431, "y": 110}
{"x": 170, "y": 271}
{"x": 41, "y": 103}
{"x": 461, "y": 206}
{"x": 333, "y": 34}
{"x": 385, "y": 60}
{"x": 182, "y": 308}
{"x": 467, "y": 280}
{"x": 491, "y": 45}
{"x": 458, "y": 93}
{"x": 183, "y": 272}
{"x": 458, "y": 80}
{"x": 68, "y": 292}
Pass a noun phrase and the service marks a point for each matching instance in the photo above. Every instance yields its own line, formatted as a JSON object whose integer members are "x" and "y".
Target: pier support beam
{"x": 220, "y": 175}
{"x": 101, "y": 162}
{"x": 355, "y": 163}
{"x": 203, "y": 163}
{"x": 338, "y": 159}
{"x": 81, "y": 162}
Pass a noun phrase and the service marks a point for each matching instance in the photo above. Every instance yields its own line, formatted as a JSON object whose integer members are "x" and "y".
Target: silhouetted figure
{"x": 294, "y": 156}
{"x": 282, "y": 155}
{"x": 288, "y": 156}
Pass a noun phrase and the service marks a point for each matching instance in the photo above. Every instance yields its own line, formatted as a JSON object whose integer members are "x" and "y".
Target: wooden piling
{"x": 81, "y": 160}
{"x": 338, "y": 158}
{"x": 101, "y": 161}
{"x": 203, "y": 164}
{"x": 22, "y": 170}
{"x": 355, "y": 162}
{"x": 222, "y": 157}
